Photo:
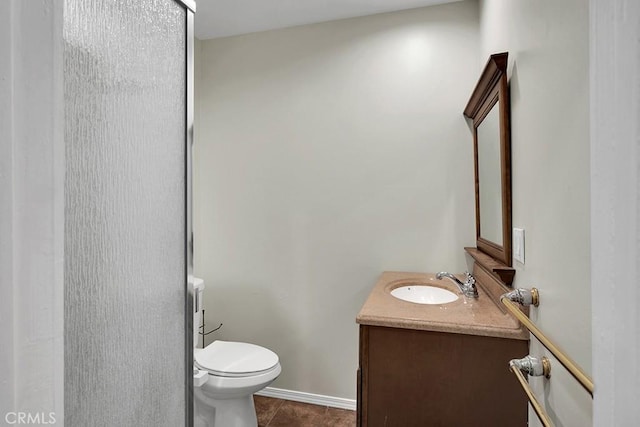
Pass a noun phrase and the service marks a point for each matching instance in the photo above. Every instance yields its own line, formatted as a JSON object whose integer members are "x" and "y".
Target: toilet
{"x": 226, "y": 374}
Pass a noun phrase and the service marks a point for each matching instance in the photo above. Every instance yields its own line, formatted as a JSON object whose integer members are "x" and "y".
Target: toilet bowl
{"x": 235, "y": 371}
{"x": 226, "y": 375}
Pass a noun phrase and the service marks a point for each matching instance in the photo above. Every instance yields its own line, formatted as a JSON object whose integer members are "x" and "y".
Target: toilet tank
{"x": 198, "y": 292}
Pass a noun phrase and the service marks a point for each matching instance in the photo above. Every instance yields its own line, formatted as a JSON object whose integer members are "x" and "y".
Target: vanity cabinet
{"x": 423, "y": 378}
{"x": 442, "y": 364}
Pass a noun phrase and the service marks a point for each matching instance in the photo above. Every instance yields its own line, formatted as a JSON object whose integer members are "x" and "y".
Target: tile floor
{"x": 286, "y": 413}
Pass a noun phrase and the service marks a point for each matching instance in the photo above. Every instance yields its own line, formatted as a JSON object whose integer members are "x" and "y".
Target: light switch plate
{"x": 518, "y": 244}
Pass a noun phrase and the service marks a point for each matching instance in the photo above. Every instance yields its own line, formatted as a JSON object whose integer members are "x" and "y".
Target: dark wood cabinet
{"x": 422, "y": 378}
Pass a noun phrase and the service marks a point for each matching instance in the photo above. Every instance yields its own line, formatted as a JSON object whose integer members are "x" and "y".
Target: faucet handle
{"x": 470, "y": 285}
{"x": 470, "y": 279}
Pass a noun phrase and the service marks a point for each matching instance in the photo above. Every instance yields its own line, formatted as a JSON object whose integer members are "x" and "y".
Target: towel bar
{"x": 536, "y": 367}
{"x": 565, "y": 360}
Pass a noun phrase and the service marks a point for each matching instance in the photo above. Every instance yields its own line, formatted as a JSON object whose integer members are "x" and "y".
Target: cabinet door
{"x": 422, "y": 378}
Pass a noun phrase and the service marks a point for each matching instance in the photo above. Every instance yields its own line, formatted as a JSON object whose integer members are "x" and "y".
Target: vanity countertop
{"x": 469, "y": 316}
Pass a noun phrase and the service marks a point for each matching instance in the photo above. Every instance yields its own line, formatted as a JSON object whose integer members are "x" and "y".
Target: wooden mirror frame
{"x": 492, "y": 90}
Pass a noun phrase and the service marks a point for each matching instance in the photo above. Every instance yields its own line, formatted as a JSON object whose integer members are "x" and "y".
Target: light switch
{"x": 518, "y": 244}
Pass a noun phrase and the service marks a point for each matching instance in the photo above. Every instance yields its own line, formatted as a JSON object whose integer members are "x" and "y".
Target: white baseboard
{"x": 315, "y": 399}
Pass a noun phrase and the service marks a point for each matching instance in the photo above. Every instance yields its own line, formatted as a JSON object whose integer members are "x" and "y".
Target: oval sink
{"x": 424, "y": 294}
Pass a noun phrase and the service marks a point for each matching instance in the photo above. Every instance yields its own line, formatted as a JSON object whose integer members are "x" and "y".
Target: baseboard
{"x": 315, "y": 399}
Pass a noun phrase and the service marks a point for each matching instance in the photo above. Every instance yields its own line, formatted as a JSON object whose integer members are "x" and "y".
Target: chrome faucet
{"x": 468, "y": 288}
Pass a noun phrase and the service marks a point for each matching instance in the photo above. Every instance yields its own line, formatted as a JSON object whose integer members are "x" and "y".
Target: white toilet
{"x": 226, "y": 374}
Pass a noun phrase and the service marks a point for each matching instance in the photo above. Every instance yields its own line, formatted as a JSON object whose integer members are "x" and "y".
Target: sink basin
{"x": 424, "y": 294}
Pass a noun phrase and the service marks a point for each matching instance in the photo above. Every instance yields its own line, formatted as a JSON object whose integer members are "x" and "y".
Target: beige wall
{"x": 31, "y": 211}
{"x": 548, "y": 45}
{"x": 326, "y": 154}
{"x": 615, "y": 215}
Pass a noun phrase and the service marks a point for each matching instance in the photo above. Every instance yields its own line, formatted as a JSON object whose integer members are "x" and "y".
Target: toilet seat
{"x": 235, "y": 359}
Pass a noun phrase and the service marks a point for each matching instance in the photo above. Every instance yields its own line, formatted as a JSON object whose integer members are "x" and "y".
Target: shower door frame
{"x": 190, "y": 7}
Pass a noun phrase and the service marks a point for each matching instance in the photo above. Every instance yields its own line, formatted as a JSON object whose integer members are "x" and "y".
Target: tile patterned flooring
{"x": 286, "y": 413}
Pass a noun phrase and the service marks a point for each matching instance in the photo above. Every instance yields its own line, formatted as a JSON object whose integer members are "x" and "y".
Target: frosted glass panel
{"x": 124, "y": 81}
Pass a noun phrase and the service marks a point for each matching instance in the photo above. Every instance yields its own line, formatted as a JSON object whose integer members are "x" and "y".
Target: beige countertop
{"x": 469, "y": 316}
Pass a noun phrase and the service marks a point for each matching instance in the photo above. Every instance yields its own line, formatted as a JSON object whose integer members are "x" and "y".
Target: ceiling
{"x": 221, "y": 18}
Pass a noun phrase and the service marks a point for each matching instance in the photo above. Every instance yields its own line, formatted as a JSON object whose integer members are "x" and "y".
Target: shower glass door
{"x": 128, "y": 95}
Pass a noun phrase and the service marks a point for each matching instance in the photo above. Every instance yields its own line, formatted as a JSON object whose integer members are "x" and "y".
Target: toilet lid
{"x": 228, "y": 358}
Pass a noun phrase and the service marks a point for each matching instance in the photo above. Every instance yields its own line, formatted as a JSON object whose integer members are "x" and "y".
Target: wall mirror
{"x": 488, "y": 113}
